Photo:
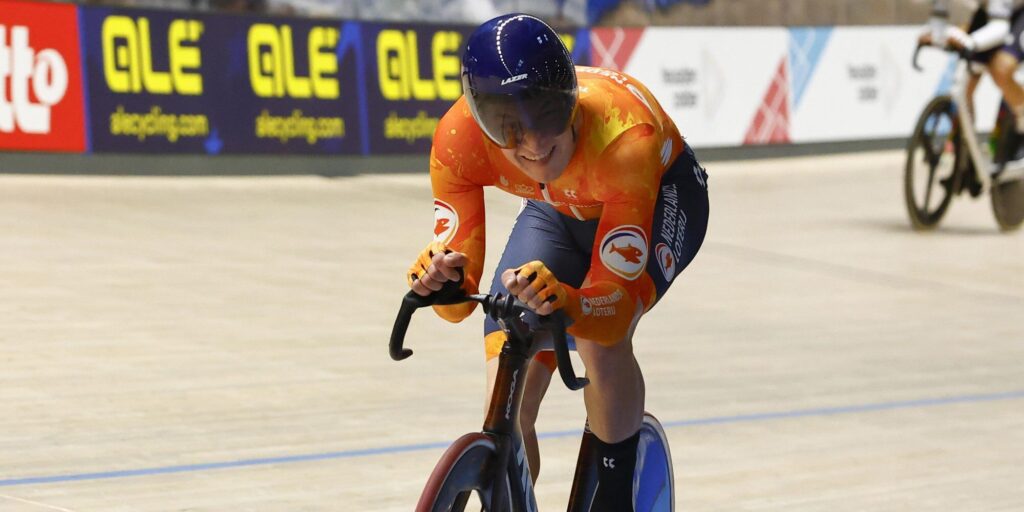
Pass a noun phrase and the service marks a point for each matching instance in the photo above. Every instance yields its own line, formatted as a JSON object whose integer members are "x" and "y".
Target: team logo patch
{"x": 585, "y": 305}
{"x": 624, "y": 251}
{"x": 666, "y": 261}
{"x": 446, "y": 221}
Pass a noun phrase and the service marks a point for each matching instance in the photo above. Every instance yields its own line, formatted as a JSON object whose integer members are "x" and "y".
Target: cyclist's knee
{"x": 601, "y": 358}
{"x": 1002, "y": 68}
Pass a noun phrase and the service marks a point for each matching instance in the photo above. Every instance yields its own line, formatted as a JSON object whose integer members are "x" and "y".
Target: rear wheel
{"x": 655, "y": 482}
{"x": 930, "y": 176}
{"x": 1008, "y": 196}
{"x": 1008, "y": 204}
{"x": 461, "y": 479}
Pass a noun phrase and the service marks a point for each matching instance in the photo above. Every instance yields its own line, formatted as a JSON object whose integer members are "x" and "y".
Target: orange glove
{"x": 535, "y": 285}
{"x": 435, "y": 266}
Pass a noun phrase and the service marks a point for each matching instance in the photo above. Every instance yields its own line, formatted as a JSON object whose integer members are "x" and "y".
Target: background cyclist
{"x": 994, "y": 37}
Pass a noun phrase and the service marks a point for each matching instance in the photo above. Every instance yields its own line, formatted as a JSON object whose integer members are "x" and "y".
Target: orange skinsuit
{"x": 624, "y": 145}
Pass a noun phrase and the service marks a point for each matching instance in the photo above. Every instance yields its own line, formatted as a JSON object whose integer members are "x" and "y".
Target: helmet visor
{"x": 505, "y": 118}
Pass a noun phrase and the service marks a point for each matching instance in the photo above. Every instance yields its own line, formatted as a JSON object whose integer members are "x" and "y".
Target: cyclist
{"x": 994, "y": 38}
{"x": 615, "y": 206}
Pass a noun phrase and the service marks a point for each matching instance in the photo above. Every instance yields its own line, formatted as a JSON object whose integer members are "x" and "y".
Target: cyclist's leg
{"x": 540, "y": 233}
{"x": 615, "y": 396}
{"x": 972, "y": 85}
{"x": 978, "y": 61}
{"x": 1004, "y": 65}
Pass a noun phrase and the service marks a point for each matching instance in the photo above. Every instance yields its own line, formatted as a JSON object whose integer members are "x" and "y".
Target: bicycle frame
{"x": 983, "y": 162}
{"x": 501, "y": 422}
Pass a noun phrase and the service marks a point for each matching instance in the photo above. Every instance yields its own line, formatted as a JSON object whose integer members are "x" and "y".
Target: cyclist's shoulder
{"x": 623, "y": 122}
{"x": 458, "y": 141}
{"x": 610, "y": 84}
{"x": 457, "y": 118}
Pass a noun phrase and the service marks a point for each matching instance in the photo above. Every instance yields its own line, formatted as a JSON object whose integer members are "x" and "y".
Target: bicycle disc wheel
{"x": 930, "y": 175}
{"x": 1008, "y": 204}
{"x": 655, "y": 483}
{"x": 460, "y": 478}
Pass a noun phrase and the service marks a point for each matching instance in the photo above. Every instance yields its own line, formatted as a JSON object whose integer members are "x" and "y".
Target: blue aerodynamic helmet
{"x": 518, "y": 77}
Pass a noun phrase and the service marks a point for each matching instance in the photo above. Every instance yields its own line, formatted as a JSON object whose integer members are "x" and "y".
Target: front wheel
{"x": 654, "y": 480}
{"x": 461, "y": 478}
{"x": 930, "y": 176}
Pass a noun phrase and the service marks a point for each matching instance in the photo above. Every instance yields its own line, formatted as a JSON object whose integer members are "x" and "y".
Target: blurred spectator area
{"x": 767, "y": 12}
{"x": 557, "y": 12}
{"x": 589, "y": 12}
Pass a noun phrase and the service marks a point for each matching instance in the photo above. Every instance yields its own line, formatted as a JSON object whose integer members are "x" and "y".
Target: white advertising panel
{"x": 742, "y": 86}
{"x": 712, "y": 81}
{"x": 860, "y": 83}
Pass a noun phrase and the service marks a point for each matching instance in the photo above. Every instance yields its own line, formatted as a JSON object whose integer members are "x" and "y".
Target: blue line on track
{"x": 350, "y": 454}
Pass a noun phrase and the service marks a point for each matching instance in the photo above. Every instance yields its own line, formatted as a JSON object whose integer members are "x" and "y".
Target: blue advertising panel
{"x": 176, "y": 82}
{"x": 413, "y": 77}
{"x": 290, "y": 85}
{"x": 180, "y": 82}
{"x": 148, "y": 89}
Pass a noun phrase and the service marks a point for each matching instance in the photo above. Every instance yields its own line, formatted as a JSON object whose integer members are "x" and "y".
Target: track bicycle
{"x": 490, "y": 467}
{"x": 945, "y": 158}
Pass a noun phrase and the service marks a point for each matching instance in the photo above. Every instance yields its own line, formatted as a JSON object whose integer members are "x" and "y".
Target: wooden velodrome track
{"x": 219, "y": 344}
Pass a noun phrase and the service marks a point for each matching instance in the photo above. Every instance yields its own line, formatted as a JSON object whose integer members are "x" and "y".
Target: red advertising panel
{"x": 41, "y": 107}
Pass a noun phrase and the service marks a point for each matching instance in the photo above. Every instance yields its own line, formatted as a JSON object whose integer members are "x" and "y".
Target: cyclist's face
{"x": 543, "y": 158}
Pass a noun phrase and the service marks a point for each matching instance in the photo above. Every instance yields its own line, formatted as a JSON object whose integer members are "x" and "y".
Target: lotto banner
{"x": 414, "y": 76}
{"x": 174, "y": 82}
{"x": 41, "y": 106}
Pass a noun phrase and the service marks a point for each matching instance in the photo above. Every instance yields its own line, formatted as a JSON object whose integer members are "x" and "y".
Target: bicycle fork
{"x": 502, "y": 424}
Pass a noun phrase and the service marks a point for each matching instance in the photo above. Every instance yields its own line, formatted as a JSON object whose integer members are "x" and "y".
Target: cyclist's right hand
{"x": 435, "y": 266}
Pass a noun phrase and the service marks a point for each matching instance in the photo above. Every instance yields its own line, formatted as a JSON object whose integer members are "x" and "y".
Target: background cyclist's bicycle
{"x": 945, "y": 158}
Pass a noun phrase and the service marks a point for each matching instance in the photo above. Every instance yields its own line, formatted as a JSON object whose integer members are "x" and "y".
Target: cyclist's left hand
{"x": 958, "y": 39}
{"x": 535, "y": 285}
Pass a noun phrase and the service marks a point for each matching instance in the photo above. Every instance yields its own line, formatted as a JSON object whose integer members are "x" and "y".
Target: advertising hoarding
{"x": 41, "y": 95}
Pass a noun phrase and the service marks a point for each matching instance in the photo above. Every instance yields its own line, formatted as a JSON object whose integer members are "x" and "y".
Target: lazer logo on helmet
{"x": 514, "y": 79}
{"x": 44, "y": 73}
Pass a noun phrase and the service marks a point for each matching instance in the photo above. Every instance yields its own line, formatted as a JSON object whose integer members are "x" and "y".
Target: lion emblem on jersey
{"x": 446, "y": 221}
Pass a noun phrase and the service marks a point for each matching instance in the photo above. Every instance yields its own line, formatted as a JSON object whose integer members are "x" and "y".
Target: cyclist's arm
{"x": 458, "y": 208}
{"x": 618, "y": 284}
{"x": 993, "y": 34}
